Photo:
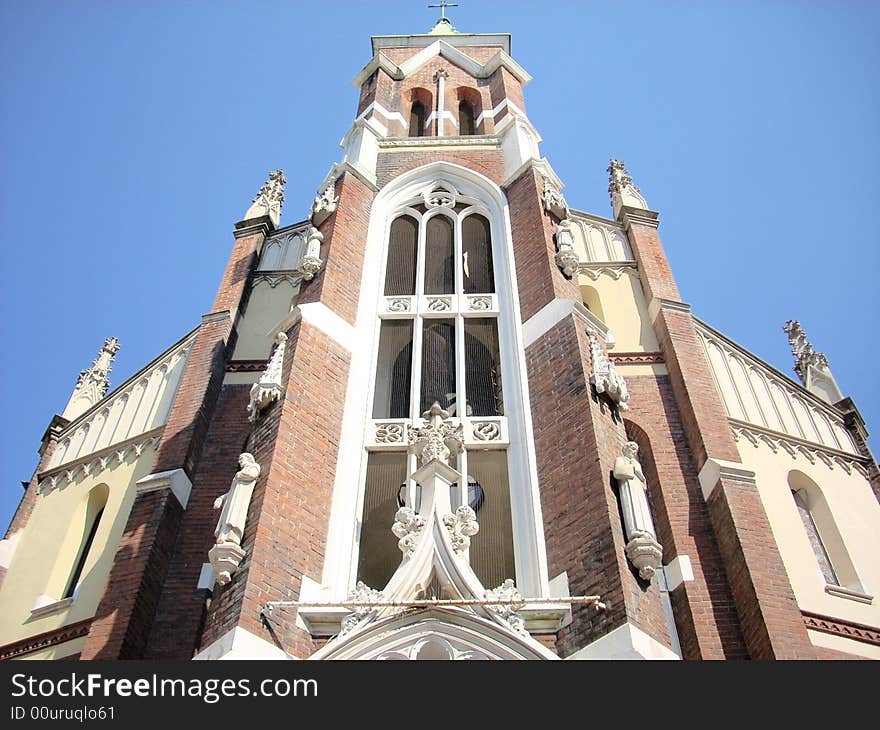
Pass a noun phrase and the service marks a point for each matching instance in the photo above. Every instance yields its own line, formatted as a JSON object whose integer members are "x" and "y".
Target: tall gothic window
{"x": 438, "y": 342}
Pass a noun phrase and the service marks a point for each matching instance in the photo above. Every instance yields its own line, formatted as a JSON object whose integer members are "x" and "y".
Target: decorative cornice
{"x": 614, "y": 269}
{"x": 841, "y": 627}
{"x": 96, "y": 462}
{"x": 246, "y": 366}
{"x": 45, "y": 640}
{"x": 756, "y": 435}
{"x": 483, "y": 140}
{"x": 274, "y": 278}
{"x": 636, "y": 358}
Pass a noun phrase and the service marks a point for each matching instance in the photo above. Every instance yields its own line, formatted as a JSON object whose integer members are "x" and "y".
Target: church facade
{"x": 449, "y": 416}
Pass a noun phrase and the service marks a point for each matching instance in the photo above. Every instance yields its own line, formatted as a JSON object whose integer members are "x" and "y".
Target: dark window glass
{"x": 417, "y": 120}
{"x": 400, "y": 273}
{"x": 83, "y": 555}
{"x": 438, "y": 364}
{"x": 439, "y": 256}
{"x": 379, "y": 554}
{"x": 466, "y": 121}
{"x": 483, "y": 366}
{"x": 393, "y": 370}
{"x": 476, "y": 252}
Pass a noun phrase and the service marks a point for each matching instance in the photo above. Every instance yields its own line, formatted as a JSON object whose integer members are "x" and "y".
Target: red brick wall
{"x": 177, "y": 625}
{"x": 705, "y": 614}
{"x": 577, "y": 438}
{"x": 487, "y": 162}
{"x": 296, "y": 444}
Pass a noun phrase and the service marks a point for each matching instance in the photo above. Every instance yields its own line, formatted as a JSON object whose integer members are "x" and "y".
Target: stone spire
{"x": 811, "y": 366}
{"x": 622, "y": 189}
{"x": 94, "y": 382}
{"x": 270, "y": 199}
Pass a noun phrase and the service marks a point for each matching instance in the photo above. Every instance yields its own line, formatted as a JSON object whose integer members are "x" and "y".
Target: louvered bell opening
{"x": 393, "y": 370}
{"x": 400, "y": 272}
{"x": 483, "y": 363}
{"x": 439, "y": 256}
{"x": 438, "y": 365}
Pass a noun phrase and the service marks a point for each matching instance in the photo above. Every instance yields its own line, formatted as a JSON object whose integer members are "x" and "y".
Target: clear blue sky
{"x": 135, "y": 133}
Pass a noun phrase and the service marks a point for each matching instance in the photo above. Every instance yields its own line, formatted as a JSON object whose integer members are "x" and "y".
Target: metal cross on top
{"x": 443, "y": 5}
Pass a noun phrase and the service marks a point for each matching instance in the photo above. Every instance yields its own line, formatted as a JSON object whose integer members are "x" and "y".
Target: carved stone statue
{"x": 234, "y": 504}
{"x": 553, "y": 200}
{"x": 324, "y": 204}
{"x": 566, "y": 258}
{"x": 642, "y": 548}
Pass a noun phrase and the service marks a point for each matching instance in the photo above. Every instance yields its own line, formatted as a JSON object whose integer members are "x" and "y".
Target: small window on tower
{"x": 417, "y": 119}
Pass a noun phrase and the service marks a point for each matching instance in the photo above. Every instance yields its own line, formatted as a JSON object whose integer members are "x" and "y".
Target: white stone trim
{"x": 175, "y": 479}
{"x": 678, "y": 571}
{"x": 239, "y": 643}
{"x": 331, "y": 324}
{"x": 7, "y": 549}
{"x": 492, "y": 113}
{"x": 849, "y": 593}
{"x": 625, "y": 642}
{"x": 715, "y": 469}
{"x": 375, "y": 106}
{"x": 658, "y": 303}
{"x": 554, "y": 312}
{"x": 442, "y": 115}
{"x": 46, "y": 605}
{"x": 207, "y": 578}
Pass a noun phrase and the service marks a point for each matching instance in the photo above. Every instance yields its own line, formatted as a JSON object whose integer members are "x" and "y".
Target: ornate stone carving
{"x": 553, "y": 200}
{"x": 406, "y": 527}
{"x": 439, "y": 197}
{"x": 437, "y": 440}
{"x": 566, "y": 258}
{"x": 480, "y": 303}
{"x": 390, "y": 433}
{"x": 269, "y": 387}
{"x": 622, "y": 189}
{"x": 270, "y": 199}
{"x": 486, "y": 431}
{"x": 439, "y": 304}
{"x": 92, "y": 384}
{"x": 642, "y": 548}
{"x": 398, "y": 305}
{"x": 507, "y": 591}
{"x": 462, "y": 526}
{"x": 324, "y": 204}
{"x": 362, "y": 593}
{"x": 804, "y": 354}
{"x": 604, "y": 376}
{"x": 227, "y": 554}
{"x": 311, "y": 263}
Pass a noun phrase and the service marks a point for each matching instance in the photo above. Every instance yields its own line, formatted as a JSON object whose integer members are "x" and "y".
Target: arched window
{"x": 95, "y": 504}
{"x": 832, "y": 557}
{"x": 418, "y": 117}
{"x": 466, "y": 119}
{"x": 438, "y": 342}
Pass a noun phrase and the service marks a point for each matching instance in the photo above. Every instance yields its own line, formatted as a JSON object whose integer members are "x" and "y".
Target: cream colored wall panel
{"x": 267, "y": 306}
{"x": 840, "y": 643}
{"x": 624, "y": 311}
{"x": 855, "y": 512}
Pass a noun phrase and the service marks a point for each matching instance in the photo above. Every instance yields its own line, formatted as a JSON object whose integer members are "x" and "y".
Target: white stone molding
{"x": 227, "y": 553}
{"x": 47, "y": 606}
{"x": 811, "y": 366}
{"x": 311, "y": 263}
{"x": 439, "y": 439}
{"x": 519, "y": 144}
{"x": 658, "y": 303}
{"x": 362, "y": 593}
{"x": 509, "y": 611}
{"x": 269, "y": 199}
{"x": 715, "y": 469}
{"x": 642, "y": 548}
{"x": 324, "y": 204}
{"x": 174, "y": 479}
{"x": 439, "y": 195}
{"x": 566, "y": 258}
{"x": 622, "y": 189}
{"x": 597, "y": 241}
{"x": 625, "y": 642}
{"x": 554, "y": 312}
{"x": 678, "y": 571}
{"x": 407, "y": 526}
{"x": 331, "y": 324}
{"x": 239, "y": 643}
{"x": 755, "y": 393}
{"x": 849, "y": 594}
{"x": 360, "y": 148}
{"x": 95, "y": 463}
{"x": 269, "y": 387}
{"x": 389, "y": 116}
{"x": 485, "y": 432}
{"x": 207, "y": 578}
{"x": 93, "y": 383}
{"x": 794, "y": 447}
{"x": 604, "y": 376}
{"x": 596, "y": 270}
{"x": 462, "y": 526}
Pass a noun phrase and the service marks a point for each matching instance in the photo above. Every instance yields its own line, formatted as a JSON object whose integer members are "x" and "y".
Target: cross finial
{"x": 443, "y": 5}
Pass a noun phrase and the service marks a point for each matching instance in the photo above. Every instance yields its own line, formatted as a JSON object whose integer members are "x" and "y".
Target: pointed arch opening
{"x": 96, "y": 501}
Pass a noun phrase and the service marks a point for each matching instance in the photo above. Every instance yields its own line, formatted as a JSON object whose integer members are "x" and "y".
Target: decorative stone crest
{"x": 390, "y": 433}
{"x": 486, "y": 431}
{"x": 269, "y": 387}
{"x": 566, "y": 258}
{"x": 439, "y": 439}
{"x": 227, "y": 553}
{"x": 462, "y": 526}
{"x": 311, "y": 263}
{"x": 324, "y": 204}
{"x": 479, "y": 303}
{"x": 642, "y": 548}
{"x": 507, "y": 591}
{"x": 604, "y": 376}
{"x": 398, "y": 305}
{"x": 270, "y": 199}
{"x": 439, "y": 304}
{"x": 362, "y": 593}
{"x": 406, "y": 527}
{"x": 553, "y": 200}
{"x": 439, "y": 197}
{"x": 804, "y": 354}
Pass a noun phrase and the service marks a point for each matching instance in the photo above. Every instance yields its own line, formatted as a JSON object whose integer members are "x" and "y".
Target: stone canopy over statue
{"x": 642, "y": 548}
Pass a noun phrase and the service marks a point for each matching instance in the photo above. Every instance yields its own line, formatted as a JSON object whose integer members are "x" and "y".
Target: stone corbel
{"x": 311, "y": 263}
